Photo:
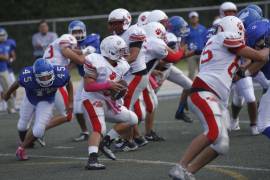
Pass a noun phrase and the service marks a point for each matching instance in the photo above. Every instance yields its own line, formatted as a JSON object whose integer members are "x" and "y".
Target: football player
{"x": 227, "y": 9}
{"x": 40, "y": 82}
{"x": 210, "y": 92}
{"x": 61, "y": 52}
{"x": 78, "y": 30}
{"x": 119, "y": 21}
{"x": 103, "y": 73}
{"x": 258, "y": 34}
{"x": 7, "y": 53}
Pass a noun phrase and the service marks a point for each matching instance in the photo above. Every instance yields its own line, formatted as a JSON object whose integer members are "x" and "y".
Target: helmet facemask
{"x": 45, "y": 79}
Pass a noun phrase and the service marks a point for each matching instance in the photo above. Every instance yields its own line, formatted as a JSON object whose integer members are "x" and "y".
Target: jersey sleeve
{"x": 136, "y": 34}
{"x": 157, "y": 48}
{"x": 90, "y": 66}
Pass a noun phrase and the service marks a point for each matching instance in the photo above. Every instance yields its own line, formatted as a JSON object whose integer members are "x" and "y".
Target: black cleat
{"x": 152, "y": 136}
{"x": 140, "y": 141}
{"x": 105, "y": 148}
{"x": 93, "y": 163}
{"x": 183, "y": 116}
{"x": 129, "y": 146}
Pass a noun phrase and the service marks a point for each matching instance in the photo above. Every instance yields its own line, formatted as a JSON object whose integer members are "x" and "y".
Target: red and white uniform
{"x": 153, "y": 49}
{"x": 54, "y": 55}
{"x": 211, "y": 87}
{"x": 97, "y": 105}
{"x": 136, "y": 77}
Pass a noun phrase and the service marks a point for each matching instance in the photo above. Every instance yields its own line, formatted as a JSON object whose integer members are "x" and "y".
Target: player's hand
{"x": 88, "y": 50}
{"x": 116, "y": 86}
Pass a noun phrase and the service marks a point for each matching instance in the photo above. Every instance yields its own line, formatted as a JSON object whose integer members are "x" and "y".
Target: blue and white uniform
{"x": 39, "y": 100}
{"x": 90, "y": 40}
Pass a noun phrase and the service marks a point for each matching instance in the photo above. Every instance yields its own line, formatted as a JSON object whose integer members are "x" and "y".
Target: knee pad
{"x": 221, "y": 146}
{"x": 22, "y": 125}
{"x": 237, "y": 100}
{"x": 39, "y": 130}
{"x": 249, "y": 95}
{"x": 133, "y": 119}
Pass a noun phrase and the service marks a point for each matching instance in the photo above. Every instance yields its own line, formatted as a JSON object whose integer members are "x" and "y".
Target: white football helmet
{"x": 142, "y": 19}
{"x": 226, "y": 6}
{"x": 155, "y": 29}
{"x": 156, "y": 16}
{"x": 231, "y": 24}
{"x": 68, "y": 38}
{"x": 113, "y": 47}
{"x": 121, "y": 14}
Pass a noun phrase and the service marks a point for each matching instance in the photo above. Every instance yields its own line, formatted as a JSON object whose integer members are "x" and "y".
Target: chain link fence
{"x": 22, "y": 31}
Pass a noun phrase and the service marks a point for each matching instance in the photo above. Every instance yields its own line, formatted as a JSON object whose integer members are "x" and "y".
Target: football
{"x": 119, "y": 94}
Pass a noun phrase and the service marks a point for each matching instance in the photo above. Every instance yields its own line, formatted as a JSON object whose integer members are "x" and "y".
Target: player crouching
{"x": 41, "y": 82}
{"x": 102, "y": 97}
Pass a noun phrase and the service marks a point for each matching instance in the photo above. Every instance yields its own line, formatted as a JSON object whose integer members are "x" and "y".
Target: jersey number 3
{"x": 50, "y": 52}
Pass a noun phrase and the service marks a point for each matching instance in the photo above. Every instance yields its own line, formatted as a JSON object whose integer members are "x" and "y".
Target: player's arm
{"x": 259, "y": 57}
{"x": 174, "y": 56}
{"x": 69, "y": 88}
{"x": 4, "y": 57}
{"x": 133, "y": 52}
{"x": 12, "y": 88}
{"x": 73, "y": 56}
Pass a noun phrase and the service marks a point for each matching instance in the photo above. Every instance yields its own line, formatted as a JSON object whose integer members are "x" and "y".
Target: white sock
{"x": 113, "y": 134}
{"x": 92, "y": 149}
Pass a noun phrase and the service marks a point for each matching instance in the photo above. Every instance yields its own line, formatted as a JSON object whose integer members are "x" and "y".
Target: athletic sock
{"x": 92, "y": 149}
{"x": 113, "y": 134}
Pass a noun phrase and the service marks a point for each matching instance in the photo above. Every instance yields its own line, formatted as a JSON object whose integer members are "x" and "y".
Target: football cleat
{"x": 177, "y": 172}
{"x": 21, "y": 154}
{"x": 140, "y": 141}
{"x": 129, "y": 146}
{"x": 183, "y": 116}
{"x": 41, "y": 142}
{"x": 254, "y": 130}
{"x": 235, "y": 124}
{"x": 82, "y": 137}
{"x": 93, "y": 163}
{"x": 152, "y": 136}
{"x": 105, "y": 148}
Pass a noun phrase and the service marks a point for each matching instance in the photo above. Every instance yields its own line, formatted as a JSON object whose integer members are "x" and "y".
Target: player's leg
{"x": 178, "y": 77}
{"x": 94, "y": 114}
{"x": 262, "y": 80}
{"x": 205, "y": 147}
{"x": 26, "y": 113}
{"x": 3, "y": 104}
{"x": 193, "y": 64}
{"x": 125, "y": 120}
{"x": 236, "y": 106}
{"x": 61, "y": 102}
{"x": 78, "y": 111}
{"x": 264, "y": 114}
{"x": 5, "y": 82}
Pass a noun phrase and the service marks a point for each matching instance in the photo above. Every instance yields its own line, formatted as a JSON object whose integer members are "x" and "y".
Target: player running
{"x": 40, "y": 82}
{"x": 210, "y": 92}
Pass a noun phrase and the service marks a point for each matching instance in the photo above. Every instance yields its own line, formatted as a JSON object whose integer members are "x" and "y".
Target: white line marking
{"x": 143, "y": 162}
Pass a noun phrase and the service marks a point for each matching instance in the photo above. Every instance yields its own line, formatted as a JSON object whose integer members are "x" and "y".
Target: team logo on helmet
{"x": 143, "y": 18}
{"x": 158, "y": 31}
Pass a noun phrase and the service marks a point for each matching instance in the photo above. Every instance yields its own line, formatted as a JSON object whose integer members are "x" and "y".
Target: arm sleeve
{"x": 175, "y": 57}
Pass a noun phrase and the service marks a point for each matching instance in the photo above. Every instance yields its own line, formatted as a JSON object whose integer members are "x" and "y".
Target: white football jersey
{"x": 218, "y": 64}
{"x": 153, "y": 49}
{"x": 53, "y": 51}
{"x": 96, "y": 65}
{"x": 135, "y": 34}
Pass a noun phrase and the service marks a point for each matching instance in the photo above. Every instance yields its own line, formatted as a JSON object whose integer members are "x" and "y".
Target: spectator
{"x": 195, "y": 42}
{"x": 5, "y": 57}
{"x": 42, "y": 39}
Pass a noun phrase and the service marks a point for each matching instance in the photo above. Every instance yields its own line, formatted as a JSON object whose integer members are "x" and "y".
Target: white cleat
{"x": 177, "y": 172}
{"x": 235, "y": 124}
{"x": 254, "y": 130}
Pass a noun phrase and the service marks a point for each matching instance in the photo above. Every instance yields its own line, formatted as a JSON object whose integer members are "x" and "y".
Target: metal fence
{"x": 22, "y": 31}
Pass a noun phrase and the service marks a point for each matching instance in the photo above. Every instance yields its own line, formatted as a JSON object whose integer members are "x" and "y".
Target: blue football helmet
{"x": 77, "y": 29}
{"x": 258, "y": 34}
{"x": 256, "y": 8}
{"x": 178, "y": 26}
{"x": 44, "y": 73}
{"x": 248, "y": 16}
{"x": 3, "y": 34}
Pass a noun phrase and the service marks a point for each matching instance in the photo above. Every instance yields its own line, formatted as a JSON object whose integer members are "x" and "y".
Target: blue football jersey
{"x": 90, "y": 40}
{"x": 4, "y": 50}
{"x": 12, "y": 44}
{"x": 34, "y": 92}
